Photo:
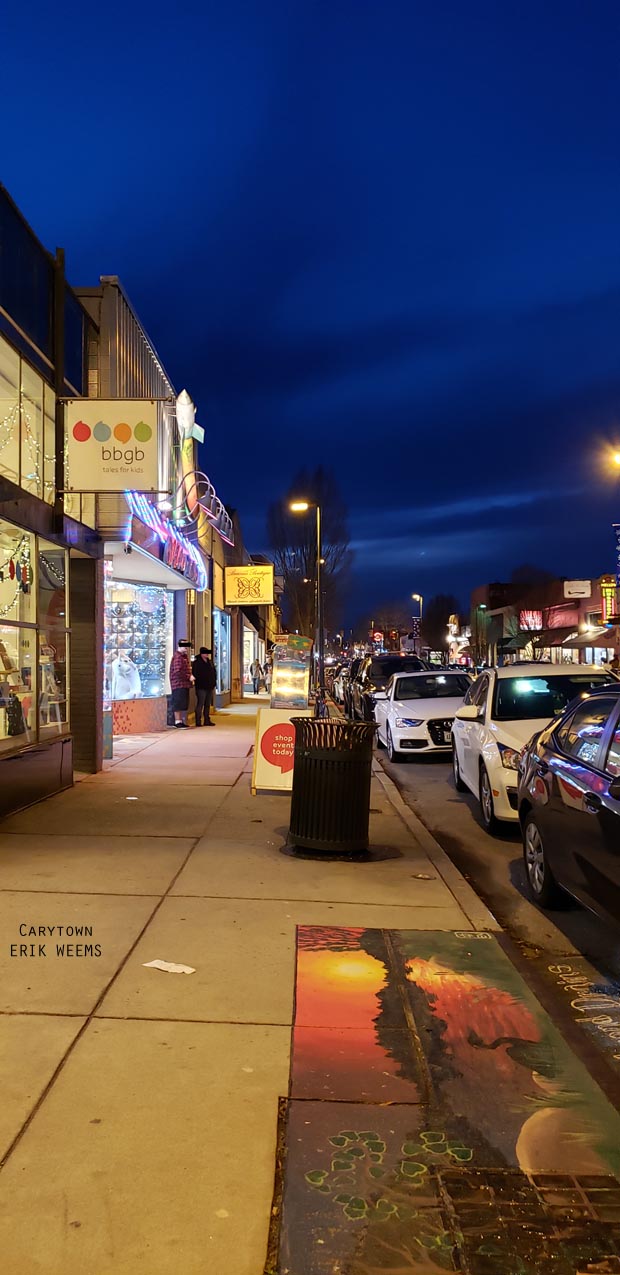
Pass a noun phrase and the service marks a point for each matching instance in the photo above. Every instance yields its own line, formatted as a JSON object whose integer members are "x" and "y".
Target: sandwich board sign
{"x": 274, "y": 749}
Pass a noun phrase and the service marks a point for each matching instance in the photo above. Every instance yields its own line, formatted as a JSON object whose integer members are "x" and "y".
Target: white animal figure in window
{"x": 126, "y": 683}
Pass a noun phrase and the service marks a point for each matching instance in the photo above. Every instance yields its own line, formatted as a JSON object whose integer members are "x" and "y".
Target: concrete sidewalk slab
{"x": 223, "y": 771}
{"x": 164, "y": 811}
{"x": 24, "y": 1071}
{"x": 243, "y": 952}
{"x": 255, "y": 871}
{"x": 88, "y": 864}
{"x": 154, "y": 1152}
{"x": 65, "y": 984}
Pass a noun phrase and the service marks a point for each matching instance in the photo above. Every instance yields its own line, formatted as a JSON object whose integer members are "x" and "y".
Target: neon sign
{"x": 177, "y": 551}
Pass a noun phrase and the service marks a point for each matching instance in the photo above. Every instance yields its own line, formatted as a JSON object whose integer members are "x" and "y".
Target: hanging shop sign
{"x": 608, "y": 597}
{"x": 152, "y": 531}
{"x": 111, "y": 445}
{"x": 274, "y": 749}
{"x": 249, "y": 586}
{"x": 577, "y": 588}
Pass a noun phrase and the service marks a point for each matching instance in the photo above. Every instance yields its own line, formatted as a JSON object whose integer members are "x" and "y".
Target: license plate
{"x": 447, "y": 737}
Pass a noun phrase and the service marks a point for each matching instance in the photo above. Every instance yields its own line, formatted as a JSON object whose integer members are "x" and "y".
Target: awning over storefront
{"x": 516, "y": 643}
{"x": 138, "y": 566}
{"x": 600, "y": 637}
{"x": 554, "y": 637}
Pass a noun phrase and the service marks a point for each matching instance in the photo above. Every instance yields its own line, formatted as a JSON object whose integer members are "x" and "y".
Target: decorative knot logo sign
{"x": 111, "y": 445}
{"x": 278, "y": 746}
{"x": 248, "y": 588}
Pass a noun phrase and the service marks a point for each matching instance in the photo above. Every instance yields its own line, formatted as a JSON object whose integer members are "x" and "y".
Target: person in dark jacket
{"x": 205, "y": 679}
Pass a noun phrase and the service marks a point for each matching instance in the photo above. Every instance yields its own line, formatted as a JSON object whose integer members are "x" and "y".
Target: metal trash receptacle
{"x": 330, "y": 806}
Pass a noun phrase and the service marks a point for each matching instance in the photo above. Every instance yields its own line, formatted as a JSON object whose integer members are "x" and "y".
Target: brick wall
{"x": 86, "y": 617}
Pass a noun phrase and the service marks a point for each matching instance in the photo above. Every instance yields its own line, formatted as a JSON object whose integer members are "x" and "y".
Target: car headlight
{"x": 510, "y": 757}
{"x": 409, "y": 721}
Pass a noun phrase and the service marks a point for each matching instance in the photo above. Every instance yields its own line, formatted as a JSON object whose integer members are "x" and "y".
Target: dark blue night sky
{"x": 385, "y": 236}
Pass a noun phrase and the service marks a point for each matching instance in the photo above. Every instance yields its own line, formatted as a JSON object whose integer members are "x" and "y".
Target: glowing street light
{"x": 302, "y": 507}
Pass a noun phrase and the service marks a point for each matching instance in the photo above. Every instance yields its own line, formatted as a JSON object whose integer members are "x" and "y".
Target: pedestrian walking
{"x": 180, "y": 681}
{"x": 205, "y": 679}
{"x": 256, "y": 672}
{"x": 268, "y": 674}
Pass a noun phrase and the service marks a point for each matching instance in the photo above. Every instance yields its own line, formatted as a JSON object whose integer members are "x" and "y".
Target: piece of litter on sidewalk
{"x": 222, "y": 1213}
{"x": 168, "y": 967}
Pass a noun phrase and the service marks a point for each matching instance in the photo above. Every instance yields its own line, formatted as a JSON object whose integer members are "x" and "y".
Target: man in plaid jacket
{"x": 180, "y": 681}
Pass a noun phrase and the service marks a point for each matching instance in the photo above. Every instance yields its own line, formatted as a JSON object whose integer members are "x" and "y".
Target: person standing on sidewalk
{"x": 205, "y": 679}
{"x": 256, "y": 672}
{"x": 180, "y": 681}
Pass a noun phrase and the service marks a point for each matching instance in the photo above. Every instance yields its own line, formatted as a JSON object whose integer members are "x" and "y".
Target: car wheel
{"x": 391, "y": 751}
{"x": 487, "y": 806}
{"x": 456, "y": 770}
{"x": 542, "y": 884}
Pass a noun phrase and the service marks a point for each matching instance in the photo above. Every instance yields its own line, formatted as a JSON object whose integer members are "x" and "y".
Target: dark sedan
{"x": 373, "y": 675}
{"x": 569, "y": 805}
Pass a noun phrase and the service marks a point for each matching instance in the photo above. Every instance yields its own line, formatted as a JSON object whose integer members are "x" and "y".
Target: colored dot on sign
{"x": 142, "y": 432}
{"x": 81, "y": 431}
{"x": 102, "y": 432}
{"x": 122, "y": 432}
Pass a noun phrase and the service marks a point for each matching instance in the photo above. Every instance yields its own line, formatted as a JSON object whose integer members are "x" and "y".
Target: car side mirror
{"x": 614, "y": 788}
{"x": 469, "y": 713}
{"x": 379, "y": 695}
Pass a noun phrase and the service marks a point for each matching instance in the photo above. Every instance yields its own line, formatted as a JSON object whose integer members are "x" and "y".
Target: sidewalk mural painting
{"x": 436, "y": 1119}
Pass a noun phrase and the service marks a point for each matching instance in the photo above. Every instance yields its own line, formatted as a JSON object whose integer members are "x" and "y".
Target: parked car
{"x": 346, "y": 682}
{"x": 338, "y": 686}
{"x": 416, "y": 710}
{"x": 501, "y": 712}
{"x": 569, "y": 805}
{"x": 373, "y": 675}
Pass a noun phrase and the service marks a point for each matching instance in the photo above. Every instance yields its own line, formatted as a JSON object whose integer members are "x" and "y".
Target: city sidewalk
{"x": 139, "y": 1114}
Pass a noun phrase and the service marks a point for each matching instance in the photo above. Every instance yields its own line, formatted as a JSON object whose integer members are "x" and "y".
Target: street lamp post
{"x": 417, "y": 597}
{"x": 302, "y": 507}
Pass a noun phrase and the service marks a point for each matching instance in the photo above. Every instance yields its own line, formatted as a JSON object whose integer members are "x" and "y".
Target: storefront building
{"x": 558, "y": 621}
{"x": 162, "y": 550}
{"x": 49, "y": 557}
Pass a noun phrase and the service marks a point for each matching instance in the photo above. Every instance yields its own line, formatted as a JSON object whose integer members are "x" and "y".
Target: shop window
{"x": 17, "y": 686}
{"x": 9, "y": 412}
{"x": 53, "y": 609}
{"x": 53, "y": 680}
{"x": 49, "y": 445}
{"x": 138, "y": 640}
{"x": 221, "y": 650}
{"x": 17, "y": 595}
{"x": 32, "y": 431}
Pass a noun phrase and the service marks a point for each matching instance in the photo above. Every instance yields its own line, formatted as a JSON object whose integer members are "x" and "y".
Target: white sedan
{"x": 502, "y": 710}
{"x": 416, "y": 711}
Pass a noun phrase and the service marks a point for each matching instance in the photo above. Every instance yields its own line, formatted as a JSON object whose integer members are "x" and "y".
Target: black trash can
{"x": 330, "y": 806}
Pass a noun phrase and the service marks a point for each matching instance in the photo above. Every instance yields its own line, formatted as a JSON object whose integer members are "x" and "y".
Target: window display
{"x": 17, "y": 686}
{"x": 17, "y": 596}
{"x": 221, "y": 649}
{"x": 53, "y": 680}
{"x": 138, "y": 640}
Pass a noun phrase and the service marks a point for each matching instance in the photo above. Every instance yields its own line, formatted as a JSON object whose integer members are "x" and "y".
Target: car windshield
{"x": 381, "y": 670}
{"x": 524, "y": 698}
{"x": 432, "y": 686}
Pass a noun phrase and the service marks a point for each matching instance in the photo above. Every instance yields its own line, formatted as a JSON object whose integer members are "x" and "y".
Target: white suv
{"x": 500, "y": 713}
